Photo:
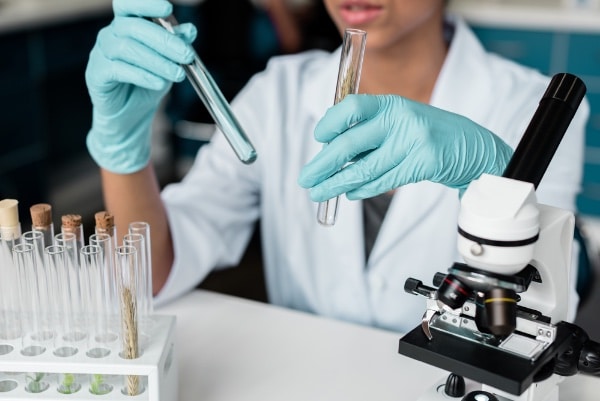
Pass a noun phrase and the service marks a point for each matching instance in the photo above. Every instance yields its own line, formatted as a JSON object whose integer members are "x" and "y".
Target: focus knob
{"x": 455, "y": 386}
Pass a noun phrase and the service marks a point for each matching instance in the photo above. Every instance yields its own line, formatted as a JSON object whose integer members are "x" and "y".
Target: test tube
{"x": 101, "y": 339}
{"x": 70, "y": 285}
{"x": 10, "y": 235}
{"x": 143, "y": 294}
{"x": 10, "y": 309}
{"x": 108, "y": 245}
{"x": 126, "y": 258}
{"x": 45, "y": 284}
{"x": 215, "y": 102}
{"x": 35, "y": 339}
{"x": 66, "y": 341}
{"x": 351, "y": 58}
{"x": 143, "y": 228}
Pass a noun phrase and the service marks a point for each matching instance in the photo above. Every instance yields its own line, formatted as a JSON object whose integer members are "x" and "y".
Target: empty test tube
{"x": 215, "y": 102}
{"x": 69, "y": 284}
{"x": 108, "y": 245}
{"x": 35, "y": 339}
{"x": 45, "y": 284}
{"x": 143, "y": 228}
{"x": 353, "y": 50}
{"x": 10, "y": 308}
{"x": 10, "y": 235}
{"x": 102, "y": 338}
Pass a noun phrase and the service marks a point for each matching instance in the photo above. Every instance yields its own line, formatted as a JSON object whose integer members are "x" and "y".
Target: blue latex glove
{"x": 131, "y": 67}
{"x": 394, "y": 141}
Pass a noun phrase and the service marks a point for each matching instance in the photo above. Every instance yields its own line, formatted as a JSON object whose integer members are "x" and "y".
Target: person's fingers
{"x": 142, "y": 8}
{"x": 352, "y": 110}
{"x": 150, "y": 35}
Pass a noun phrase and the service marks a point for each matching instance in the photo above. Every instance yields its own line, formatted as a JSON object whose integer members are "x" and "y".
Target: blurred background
{"x": 45, "y": 111}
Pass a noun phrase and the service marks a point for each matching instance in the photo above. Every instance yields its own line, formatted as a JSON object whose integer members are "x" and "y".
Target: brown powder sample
{"x": 130, "y": 336}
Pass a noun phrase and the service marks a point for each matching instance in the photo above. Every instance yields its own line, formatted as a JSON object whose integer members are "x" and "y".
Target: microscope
{"x": 498, "y": 321}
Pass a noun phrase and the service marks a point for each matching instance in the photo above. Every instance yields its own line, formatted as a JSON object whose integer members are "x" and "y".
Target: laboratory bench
{"x": 552, "y": 37}
{"x": 229, "y": 348}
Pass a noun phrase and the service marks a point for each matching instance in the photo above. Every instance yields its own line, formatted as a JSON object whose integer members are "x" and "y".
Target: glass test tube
{"x": 70, "y": 286}
{"x": 35, "y": 340}
{"x": 215, "y": 102}
{"x": 351, "y": 58}
{"x": 108, "y": 245}
{"x": 101, "y": 339}
{"x": 126, "y": 261}
{"x": 56, "y": 257}
{"x": 143, "y": 228}
{"x": 137, "y": 241}
{"x": 10, "y": 307}
{"x": 45, "y": 281}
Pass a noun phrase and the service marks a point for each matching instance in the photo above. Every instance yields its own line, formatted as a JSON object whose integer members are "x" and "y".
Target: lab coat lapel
{"x": 410, "y": 205}
{"x": 464, "y": 81}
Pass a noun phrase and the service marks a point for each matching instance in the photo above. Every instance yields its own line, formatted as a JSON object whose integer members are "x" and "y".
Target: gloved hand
{"x": 131, "y": 67}
{"x": 394, "y": 141}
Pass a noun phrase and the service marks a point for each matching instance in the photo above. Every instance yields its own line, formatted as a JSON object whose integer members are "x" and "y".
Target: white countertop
{"x": 552, "y": 15}
{"x": 233, "y": 349}
{"x": 24, "y": 14}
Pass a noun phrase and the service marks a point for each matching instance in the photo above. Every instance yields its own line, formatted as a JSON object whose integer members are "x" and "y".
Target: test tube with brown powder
{"x": 127, "y": 270}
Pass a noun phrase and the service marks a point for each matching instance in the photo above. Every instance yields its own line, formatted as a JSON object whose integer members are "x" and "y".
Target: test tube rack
{"x": 157, "y": 367}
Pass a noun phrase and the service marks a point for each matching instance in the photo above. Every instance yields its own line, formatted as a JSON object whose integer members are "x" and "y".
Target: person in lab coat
{"x": 428, "y": 89}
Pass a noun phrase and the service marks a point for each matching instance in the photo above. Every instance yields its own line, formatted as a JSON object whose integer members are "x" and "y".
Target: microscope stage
{"x": 480, "y": 362}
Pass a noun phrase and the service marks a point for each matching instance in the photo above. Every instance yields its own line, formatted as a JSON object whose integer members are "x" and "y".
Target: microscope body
{"x": 503, "y": 233}
{"x": 503, "y": 229}
{"x": 500, "y": 319}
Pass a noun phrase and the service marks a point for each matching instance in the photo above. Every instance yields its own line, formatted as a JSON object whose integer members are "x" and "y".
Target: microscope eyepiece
{"x": 546, "y": 129}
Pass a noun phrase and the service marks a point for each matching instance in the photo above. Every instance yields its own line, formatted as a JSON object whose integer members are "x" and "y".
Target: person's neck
{"x": 409, "y": 70}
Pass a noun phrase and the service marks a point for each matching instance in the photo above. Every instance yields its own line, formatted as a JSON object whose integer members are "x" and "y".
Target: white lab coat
{"x": 322, "y": 270}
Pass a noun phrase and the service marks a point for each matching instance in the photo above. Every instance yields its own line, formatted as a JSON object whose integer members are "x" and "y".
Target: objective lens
{"x": 500, "y": 305}
{"x": 453, "y": 292}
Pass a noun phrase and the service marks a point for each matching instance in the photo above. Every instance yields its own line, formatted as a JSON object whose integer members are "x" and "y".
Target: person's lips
{"x": 355, "y": 13}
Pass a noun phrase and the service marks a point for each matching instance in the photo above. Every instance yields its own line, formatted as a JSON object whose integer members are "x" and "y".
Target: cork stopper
{"x": 41, "y": 215}
{"x": 71, "y": 220}
{"x": 104, "y": 220}
{"x": 9, "y": 213}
